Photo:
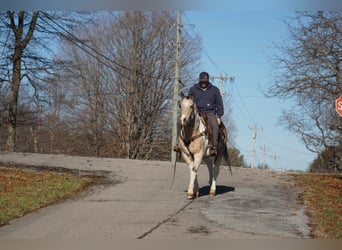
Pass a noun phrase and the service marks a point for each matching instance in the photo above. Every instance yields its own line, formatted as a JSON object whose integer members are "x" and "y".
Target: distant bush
{"x": 328, "y": 161}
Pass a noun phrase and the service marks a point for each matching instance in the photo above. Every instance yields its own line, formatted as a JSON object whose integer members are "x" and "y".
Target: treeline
{"x": 95, "y": 84}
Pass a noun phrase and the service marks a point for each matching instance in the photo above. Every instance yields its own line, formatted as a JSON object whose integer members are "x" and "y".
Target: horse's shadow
{"x": 219, "y": 190}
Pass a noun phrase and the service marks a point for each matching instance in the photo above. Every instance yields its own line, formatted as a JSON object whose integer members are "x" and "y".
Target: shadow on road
{"x": 219, "y": 190}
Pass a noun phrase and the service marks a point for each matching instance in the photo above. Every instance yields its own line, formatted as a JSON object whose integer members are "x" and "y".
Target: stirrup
{"x": 212, "y": 151}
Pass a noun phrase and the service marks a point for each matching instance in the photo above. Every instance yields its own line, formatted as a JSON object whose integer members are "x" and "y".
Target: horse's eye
{"x": 191, "y": 106}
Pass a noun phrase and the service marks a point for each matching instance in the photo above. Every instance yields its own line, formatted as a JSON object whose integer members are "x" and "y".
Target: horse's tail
{"x": 223, "y": 138}
{"x": 227, "y": 158}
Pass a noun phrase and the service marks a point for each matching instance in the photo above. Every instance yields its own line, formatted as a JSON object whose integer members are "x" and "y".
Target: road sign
{"x": 338, "y": 105}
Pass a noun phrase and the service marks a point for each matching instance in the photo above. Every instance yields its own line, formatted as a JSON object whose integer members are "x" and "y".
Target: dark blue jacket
{"x": 208, "y": 100}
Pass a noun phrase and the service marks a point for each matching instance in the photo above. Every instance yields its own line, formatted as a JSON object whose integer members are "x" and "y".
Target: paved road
{"x": 138, "y": 204}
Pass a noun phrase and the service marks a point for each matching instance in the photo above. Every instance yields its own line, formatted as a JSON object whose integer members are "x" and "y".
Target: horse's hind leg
{"x": 212, "y": 179}
{"x": 213, "y": 174}
{"x": 209, "y": 166}
{"x": 217, "y": 163}
{"x": 215, "y": 171}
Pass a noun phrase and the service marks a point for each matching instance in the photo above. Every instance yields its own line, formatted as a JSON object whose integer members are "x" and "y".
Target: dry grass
{"x": 323, "y": 199}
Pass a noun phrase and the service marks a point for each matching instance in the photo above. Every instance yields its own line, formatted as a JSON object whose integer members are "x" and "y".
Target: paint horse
{"x": 193, "y": 142}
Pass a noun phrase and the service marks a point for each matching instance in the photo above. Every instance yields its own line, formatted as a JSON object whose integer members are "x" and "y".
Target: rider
{"x": 209, "y": 102}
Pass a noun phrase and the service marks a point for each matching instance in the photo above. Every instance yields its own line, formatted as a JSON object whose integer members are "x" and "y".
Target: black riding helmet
{"x": 204, "y": 79}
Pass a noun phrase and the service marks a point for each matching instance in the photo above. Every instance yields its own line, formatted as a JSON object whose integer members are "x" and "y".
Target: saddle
{"x": 223, "y": 135}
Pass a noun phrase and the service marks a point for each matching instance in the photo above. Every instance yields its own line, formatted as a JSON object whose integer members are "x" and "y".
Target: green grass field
{"x": 22, "y": 191}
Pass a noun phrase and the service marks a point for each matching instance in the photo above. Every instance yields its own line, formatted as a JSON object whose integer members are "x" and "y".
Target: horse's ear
{"x": 182, "y": 95}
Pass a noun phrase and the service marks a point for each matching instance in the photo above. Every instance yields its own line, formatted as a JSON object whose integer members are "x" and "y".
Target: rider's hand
{"x": 219, "y": 121}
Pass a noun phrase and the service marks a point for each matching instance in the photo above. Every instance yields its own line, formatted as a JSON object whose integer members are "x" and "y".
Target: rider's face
{"x": 204, "y": 84}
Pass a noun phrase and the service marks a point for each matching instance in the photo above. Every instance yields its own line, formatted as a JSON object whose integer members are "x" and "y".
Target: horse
{"x": 193, "y": 143}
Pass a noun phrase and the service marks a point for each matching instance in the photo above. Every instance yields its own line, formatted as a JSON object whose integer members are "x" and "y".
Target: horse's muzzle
{"x": 185, "y": 122}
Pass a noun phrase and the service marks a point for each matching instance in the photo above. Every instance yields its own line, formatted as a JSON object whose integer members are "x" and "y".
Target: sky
{"x": 240, "y": 44}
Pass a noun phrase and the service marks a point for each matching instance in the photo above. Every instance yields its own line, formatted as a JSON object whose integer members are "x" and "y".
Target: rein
{"x": 187, "y": 143}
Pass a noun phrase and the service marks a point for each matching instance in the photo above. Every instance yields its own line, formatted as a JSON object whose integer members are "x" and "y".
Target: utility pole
{"x": 275, "y": 161}
{"x": 222, "y": 78}
{"x": 176, "y": 87}
{"x": 264, "y": 149}
{"x": 254, "y": 135}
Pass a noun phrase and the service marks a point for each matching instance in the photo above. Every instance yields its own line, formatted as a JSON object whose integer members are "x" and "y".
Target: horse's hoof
{"x": 190, "y": 196}
{"x": 212, "y": 193}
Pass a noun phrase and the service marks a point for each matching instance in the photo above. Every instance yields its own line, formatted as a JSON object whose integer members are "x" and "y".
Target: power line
{"x": 221, "y": 79}
{"x": 245, "y": 112}
{"x": 249, "y": 117}
{"x": 218, "y": 67}
{"x": 75, "y": 40}
{"x": 147, "y": 21}
{"x": 284, "y": 147}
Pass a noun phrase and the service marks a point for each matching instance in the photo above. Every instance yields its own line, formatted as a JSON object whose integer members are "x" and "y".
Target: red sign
{"x": 338, "y": 105}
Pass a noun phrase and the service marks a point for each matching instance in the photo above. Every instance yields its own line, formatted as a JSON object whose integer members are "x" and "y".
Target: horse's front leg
{"x": 193, "y": 188}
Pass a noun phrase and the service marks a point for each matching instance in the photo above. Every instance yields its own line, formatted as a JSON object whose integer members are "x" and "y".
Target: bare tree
{"x": 144, "y": 42}
{"x": 27, "y": 48}
{"x": 22, "y": 36}
{"x": 309, "y": 71}
{"x": 123, "y": 81}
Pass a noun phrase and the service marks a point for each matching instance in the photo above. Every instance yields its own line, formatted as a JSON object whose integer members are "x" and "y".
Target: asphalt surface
{"x": 137, "y": 203}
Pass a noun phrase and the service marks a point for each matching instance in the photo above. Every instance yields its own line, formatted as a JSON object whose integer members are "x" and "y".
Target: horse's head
{"x": 187, "y": 109}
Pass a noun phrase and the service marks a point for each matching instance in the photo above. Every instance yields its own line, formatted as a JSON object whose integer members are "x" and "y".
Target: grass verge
{"x": 322, "y": 197}
{"x": 24, "y": 191}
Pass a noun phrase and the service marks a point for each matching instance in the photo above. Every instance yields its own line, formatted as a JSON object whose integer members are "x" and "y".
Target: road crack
{"x": 165, "y": 221}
